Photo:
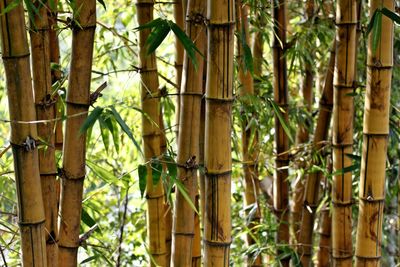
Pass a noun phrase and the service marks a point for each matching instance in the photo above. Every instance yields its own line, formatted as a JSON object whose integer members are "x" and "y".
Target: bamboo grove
{"x": 199, "y": 133}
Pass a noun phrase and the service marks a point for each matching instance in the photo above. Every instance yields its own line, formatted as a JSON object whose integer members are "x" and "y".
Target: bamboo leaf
{"x": 354, "y": 157}
{"x": 125, "y": 128}
{"x": 149, "y": 25}
{"x": 89, "y": 259}
{"x": 102, "y": 3}
{"x": 248, "y": 58}
{"x": 87, "y": 219}
{"x": 156, "y": 170}
{"x": 372, "y": 22}
{"x": 142, "y": 172}
{"x": 156, "y": 36}
{"x": 391, "y": 15}
{"x": 104, "y": 174}
{"x": 376, "y": 31}
{"x": 284, "y": 124}
{"x": 347, "y": 169}
{"x": 91, "y": 119}
{"x": 105, "y": 136}
{"x": 110, "y": 123}
{"x": 171, "y": 166}
{"x": 10, "y": 7}
{"x": 185, "y": 194}
{"x": 187, "y": 43}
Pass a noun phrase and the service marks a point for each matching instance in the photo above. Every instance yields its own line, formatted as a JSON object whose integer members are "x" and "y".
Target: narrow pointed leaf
{"x": 142, "y": 172}
{"x": 91, "y": 119}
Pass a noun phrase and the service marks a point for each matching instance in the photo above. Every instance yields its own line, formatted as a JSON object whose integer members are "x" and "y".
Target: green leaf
{"x": 91, "y": 119}
{"x": 142, "y": 172}
{"x": 187, "y": 43}
{"x": 105, "y": 135}
{"x": 183, "y": 191}
{"x": 89, "y": 259}
{"x": 103, "y": 4}
{"x": 10, "y": 7}
{"x": 347, "y": 169}
{"x": 87, "y": 219}
{"x": 156, "y": 170}
{"x": 354, "y": 157}
{"x": 171, "y": 166}
{"x": 284, "y": 124}
{"x": 104, "y": 174}
{"x": 391, "y": 15}
{"x": 125, "y": 128}
{"x": 149, "y": 25}
{"x": 372, "y": 22}
{"x": 248, "y": 58}
{"x": 156, "y": 36}
{"x": 376, "y": 31}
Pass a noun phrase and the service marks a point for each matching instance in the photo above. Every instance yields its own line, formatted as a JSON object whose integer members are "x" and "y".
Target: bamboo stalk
{"x": 188, "y": 141}
{"x": 342, "y": 134}
{"x": 151, "y": 137}
{"x": 15, "y": 54}
{"x": 311, "y": 193}
{"x": 324, "y": 251}
{"x": 45, "y": 110}
{"x": 280, "y": 186}
{"x": 56, "y": 74}
{"x": 180, "y": 8}
{"x": 302, "y": 134}
{"x": 249, "y": 145}
{"x": 196, "y": 246}
{"x": 375, "y": 142}
{"x": 74, "y": 150}
{"x": 218, "y": 161}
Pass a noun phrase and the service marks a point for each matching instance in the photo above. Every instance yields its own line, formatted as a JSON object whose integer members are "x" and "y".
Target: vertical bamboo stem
{"x": 188, "y": 141}
{"x": 74, "y": 150}
{"x": 218, "y": 161}
{"x": 281, "y": 186}
{"x": 311, "y": 193}
{"x": 248, "y": 144}
{"x": 15, "y": 54}
{"x": 45, "y": 110}
{"x": 151, "y": 137}
{"x": 302, "y": 134}
{"x": 180, "y": 8}
{"x": 375, "y": 141}
{"x": 342, "y": 134}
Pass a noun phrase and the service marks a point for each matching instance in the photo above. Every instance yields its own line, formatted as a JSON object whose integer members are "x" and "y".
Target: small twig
{"x": 85, "y": 236}
{"x": 4, "y": 258}
{"x": 96, "y": 94}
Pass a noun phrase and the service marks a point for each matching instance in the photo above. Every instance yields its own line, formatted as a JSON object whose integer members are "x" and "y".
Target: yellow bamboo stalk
{"x": 311, "y": 192}
{"x": 218, "y": 161}
{"x": 151, "y": 138}
{"x": 180, "y": 7}
{"x": 342, "y": 134}
{"x": 188, "y": 141}
{"x": 56, "y": 74}
{"x": 281, "y": 186}
{"x": 302, "y": 134}
{"x": 196, "y": 246}
{"x": 375, "y": 141}
{"x": 15, "y": 54}
{"x": 248, "y": 144}
{"x": 45, "y": 110}
{"x": 74, "y": 150}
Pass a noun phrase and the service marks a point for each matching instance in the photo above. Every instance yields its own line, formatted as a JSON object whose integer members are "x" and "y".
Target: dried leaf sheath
{"x": 15, "y": 53}
{"x": 45, "y": 109}
{"x": 375, "y": 142}
{"x": 188, "y": 141}
{"x": 217, "y": 152}
{"x": 281, "y": 187}
{"x": 74, "y": 150}
{"x": 342, "y": 133}
{"x": 151, "y": 137}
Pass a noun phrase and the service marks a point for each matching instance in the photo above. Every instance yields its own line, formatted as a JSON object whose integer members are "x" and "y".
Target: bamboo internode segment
{"x": 15, "y": 53}
{"x": 342, "y": 132}
{"x": 188, "y": 141}
{"x": 312, "y": 186}
{"x": 74, "y": 150}
{"x": 281, "y": 186}
{"x": 151, "y": 137}
{"x": 46, "y": 110}
{"x": 217, "y": 152}
{"x": 375, "y": 142}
